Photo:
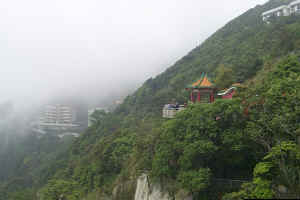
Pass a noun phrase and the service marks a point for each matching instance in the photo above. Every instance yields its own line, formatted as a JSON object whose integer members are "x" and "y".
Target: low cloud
{"x": 93, "y": 48}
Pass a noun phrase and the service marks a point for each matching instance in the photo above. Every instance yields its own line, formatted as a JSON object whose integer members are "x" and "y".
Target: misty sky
{"x": 93, "y": 47}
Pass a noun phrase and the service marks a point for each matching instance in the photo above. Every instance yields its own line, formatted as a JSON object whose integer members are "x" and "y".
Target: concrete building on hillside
{"x": 170, "y": 110}
{"x": 57, "y": 116}
{"x": 284, "y": 10}
{"x": 277, "y": 12}
{"x": 295, "y": 7}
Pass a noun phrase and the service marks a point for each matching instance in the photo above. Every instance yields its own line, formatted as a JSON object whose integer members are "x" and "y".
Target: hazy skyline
{"x": 92, "y": 48}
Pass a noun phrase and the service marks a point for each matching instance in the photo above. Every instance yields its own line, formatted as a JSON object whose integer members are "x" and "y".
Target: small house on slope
{"x": 170, "y": 110}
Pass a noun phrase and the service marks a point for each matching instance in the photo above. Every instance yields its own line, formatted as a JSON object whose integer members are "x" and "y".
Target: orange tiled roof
{"x": 203, "y": 82}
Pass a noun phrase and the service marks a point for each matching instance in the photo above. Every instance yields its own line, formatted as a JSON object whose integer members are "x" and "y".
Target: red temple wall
{"x": 229, "y": 95}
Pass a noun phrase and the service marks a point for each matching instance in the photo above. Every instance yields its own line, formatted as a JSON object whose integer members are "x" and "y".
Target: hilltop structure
{"x": 284, "y": 10}
{"x": 203, "y": 90}
{"x": 170, "y": 110}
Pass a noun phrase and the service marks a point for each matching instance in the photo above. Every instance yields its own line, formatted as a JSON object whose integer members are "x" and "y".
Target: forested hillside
{"x": 26, "y": 161}
{"x": 243, "y": 45}
{"x": 254, "y": 139}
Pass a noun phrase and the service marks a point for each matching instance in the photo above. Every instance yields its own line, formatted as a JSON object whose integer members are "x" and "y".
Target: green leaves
{"x": 195, "y": 152}
{"x": 274, "y": 124}
{"x": 204, "y": 141}
{"x": 61, "y": 189}
{"x": 262, "y": 168}
{"x": 195, "y": 181}
{"x": 262, "y": 189}
{"x": 224, "y": 77}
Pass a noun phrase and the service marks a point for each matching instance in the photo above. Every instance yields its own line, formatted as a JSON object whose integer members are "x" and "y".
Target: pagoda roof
{"x": 203, "y": 82}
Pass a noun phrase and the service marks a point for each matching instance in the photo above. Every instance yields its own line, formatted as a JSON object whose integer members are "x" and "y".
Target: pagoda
{"x": 203, "y": 90}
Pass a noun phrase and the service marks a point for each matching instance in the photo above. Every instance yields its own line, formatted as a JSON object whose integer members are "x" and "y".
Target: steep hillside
{"x": 244, "y": 44}
{"x": 26, "y": 161}
{"x": 193, "y": 150}
{"x": 211, "y": 149}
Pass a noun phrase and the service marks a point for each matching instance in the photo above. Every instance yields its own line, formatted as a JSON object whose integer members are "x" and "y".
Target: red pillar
{"x": 199, "y": 96}
{"x": 212, "y": 98}
{"x": 192, "y": 96}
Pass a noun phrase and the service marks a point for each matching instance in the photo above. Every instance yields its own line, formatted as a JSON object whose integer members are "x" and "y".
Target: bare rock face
{"x": 124, "y": 190}
{"x": 146, "y": 191}
{"x": 282, "y": 189}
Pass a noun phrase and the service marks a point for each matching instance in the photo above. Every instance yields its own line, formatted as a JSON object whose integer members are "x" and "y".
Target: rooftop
{"x": 203, "y": 82}
{"x": 295, "y": 2}
{"x": 275, "y": 9}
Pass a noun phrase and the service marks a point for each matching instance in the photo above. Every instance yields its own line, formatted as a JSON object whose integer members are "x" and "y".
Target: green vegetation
{"x": 28, "y": 161}
{"x": 232, "y": 143}
{"x": 252, "y": 138}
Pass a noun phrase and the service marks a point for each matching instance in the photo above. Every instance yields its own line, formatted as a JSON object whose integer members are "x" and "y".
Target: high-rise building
{"x": 57, "y": 116}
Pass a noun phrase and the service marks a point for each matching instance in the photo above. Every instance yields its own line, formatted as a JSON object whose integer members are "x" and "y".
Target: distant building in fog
{"x": 57, "y": 116}
{"x": 118, "y": 102}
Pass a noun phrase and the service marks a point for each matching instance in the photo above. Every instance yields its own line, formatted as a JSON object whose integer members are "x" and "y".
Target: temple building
{"x": 203, "y": 90}
{"x": 228, "y": 93}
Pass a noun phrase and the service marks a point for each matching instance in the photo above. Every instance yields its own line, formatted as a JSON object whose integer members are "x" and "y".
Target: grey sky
{"x": 97, "y": 46}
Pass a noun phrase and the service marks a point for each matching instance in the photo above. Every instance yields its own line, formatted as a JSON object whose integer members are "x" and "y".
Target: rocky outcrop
{"x": 147, "y": 191}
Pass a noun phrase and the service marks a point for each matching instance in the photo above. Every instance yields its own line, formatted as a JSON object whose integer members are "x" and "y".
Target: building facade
{"x": 295, "y": 7}
{"x": 170, "y": 110}
{"x": 202, "y": 91}
{"x": 57, "y": 116}
{"x": 228, "y": 93}
{"x": 284, "y": 10}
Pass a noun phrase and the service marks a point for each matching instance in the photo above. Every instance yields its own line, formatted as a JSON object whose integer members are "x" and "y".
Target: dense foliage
{"x": 274, "y": 124}
{"x": 27, "y": 161}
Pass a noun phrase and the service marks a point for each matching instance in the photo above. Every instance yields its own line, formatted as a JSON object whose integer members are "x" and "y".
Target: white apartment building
{"x": 295, "y": 6}
{"x": 284, "y": 10}
{"x": 57, "y": 116}
{"x": 280, "y": 11}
